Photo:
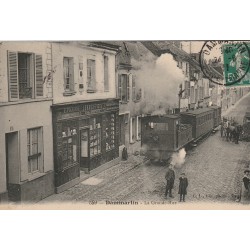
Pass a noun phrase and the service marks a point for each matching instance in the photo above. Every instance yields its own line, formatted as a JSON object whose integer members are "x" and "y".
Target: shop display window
{"x": 110, "y": 132}
{"x": 69, "y": 144}
{"x": 95, "y": 136}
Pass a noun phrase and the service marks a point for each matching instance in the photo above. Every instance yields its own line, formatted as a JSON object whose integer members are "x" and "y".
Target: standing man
{"x": 183, "y": 186}
{"x": 170, "y": 177}
{"x": 246, "y": 179}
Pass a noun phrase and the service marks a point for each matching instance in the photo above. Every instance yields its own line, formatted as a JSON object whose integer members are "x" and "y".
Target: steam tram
{"x": 163, "y": 135}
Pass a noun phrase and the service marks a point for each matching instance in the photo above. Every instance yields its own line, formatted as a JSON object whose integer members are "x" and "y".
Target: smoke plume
{"x": 178, "y": 158}
{"x": 160, "y": 82}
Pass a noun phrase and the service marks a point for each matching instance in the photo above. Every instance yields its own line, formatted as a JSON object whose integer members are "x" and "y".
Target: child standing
{"x": 183, "y": 186}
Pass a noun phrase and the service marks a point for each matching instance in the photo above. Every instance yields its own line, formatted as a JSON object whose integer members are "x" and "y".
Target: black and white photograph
{"x": 125, "y": 124}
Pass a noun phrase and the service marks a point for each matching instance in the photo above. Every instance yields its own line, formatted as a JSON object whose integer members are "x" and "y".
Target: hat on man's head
{"x": 182, "y": 173}
{"x": 246, "y": 171}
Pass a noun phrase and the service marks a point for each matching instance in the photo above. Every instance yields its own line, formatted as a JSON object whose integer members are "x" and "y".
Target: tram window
{"x": 151, "y": 125}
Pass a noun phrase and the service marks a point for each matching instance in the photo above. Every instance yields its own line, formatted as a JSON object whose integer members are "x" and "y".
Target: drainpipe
{"x": 137, "y": 127}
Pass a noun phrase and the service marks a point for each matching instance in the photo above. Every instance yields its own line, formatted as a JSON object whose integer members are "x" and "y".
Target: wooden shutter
{"x": 106, "y": 74}
{"x": 133, "y": 88}
{"x": 71, "y": 74}
{"x": 38, "y": 76}
{"x": 93, "y": 74}
{"x": 129, "y": 80}
{"x": 13, "y": 75}
{"x": 119, "y": 86}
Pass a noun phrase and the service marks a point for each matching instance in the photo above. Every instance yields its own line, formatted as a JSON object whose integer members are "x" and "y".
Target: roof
{"x": 162, "y": 47}
{"x": 214, "y": 107}
{"x": 163, "y": 116}
{"x": 197, "y": 111}
{"x": 132, "y": 50}
{"x": 104, "y": 45}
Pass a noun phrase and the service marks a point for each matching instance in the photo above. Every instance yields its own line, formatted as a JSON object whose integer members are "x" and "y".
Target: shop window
{"x": 69, "y": 144}
{"x": 25, "y": 74}
{"x": 68, "y": 66}
{"x": 95, "y": 136}
{"x": 123, "y": 87}
{"x": 110, "y": 132}
{"x": 34, "y": 148}
{"x": 91, "y": 76}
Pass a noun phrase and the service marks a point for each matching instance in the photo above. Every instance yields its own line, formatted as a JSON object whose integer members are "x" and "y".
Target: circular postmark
{"x": 227, "y": 61}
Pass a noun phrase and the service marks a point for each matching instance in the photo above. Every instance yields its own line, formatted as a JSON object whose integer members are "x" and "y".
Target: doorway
{"x": 84, "y": 149}
{"x": 12, "y": 163}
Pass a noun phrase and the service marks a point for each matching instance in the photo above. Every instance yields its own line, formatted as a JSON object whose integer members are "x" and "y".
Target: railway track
{"x": 90, "y": 193}
{"x": 122, "y": 186}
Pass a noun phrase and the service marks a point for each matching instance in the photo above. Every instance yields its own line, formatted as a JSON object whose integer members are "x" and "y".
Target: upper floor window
{"x": 106, "y": 73}
{"x": 25, "y": 74}
{"x": 68, "y": 70}
{"x": 91, "y": 75}
{"x": 136, "y": 92}
{"x": 123, "y": 87}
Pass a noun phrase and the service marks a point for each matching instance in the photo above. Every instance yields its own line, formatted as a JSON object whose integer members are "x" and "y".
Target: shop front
{"x": 86, "y": 135}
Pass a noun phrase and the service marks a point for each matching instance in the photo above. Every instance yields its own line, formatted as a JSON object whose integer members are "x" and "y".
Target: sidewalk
{"x": 97, "y": 178}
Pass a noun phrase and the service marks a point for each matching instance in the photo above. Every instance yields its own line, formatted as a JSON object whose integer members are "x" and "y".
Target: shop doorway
{"x": 84, "y": 149}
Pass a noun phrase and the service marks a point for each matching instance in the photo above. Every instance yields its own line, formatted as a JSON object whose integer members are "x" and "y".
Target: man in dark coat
{"x": 246, "y": 179}
{"x": 183, "y": 186}
{"x": 170, "y": 177}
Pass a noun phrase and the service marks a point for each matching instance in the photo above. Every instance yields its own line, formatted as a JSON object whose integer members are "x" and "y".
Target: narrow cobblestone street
{"x": 214, "y": 169}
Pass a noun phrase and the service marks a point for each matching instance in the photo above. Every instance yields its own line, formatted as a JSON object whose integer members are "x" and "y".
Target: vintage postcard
{"x": 125, "y": 124}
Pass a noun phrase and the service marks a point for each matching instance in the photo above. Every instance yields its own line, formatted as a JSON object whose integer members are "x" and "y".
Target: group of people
{"x": 183, "y": 183}
{"x": 231, "y": 130}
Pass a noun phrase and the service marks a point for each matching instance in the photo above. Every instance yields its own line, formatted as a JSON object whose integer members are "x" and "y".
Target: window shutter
{"x": 88, "y": 73}
{"x": 13, "y": 75}
{"x": 106, "y": 74}
{"x": 94, "y": 74}
{"x": 119, "y": 86}
{"x": 129, "y": 80}
{"x": 133, "y": 88}
{"x": 71, "y": 75}
{"x": 39, "y": 76}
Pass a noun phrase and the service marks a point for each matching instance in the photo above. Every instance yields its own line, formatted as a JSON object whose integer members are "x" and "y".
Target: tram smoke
{"x": 159, "y": 79}
{"x": 178, "y": 158}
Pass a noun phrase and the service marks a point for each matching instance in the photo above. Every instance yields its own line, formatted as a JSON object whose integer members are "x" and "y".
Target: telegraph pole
{"x": 180, "y": 95}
